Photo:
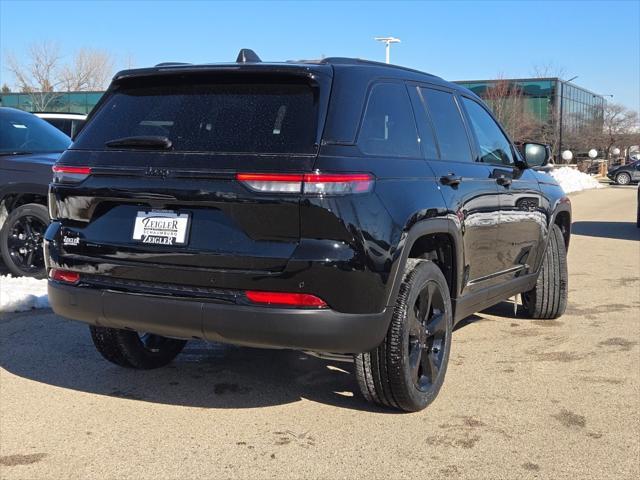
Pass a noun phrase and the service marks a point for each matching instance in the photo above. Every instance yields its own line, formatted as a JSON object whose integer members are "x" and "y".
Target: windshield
{"x": 214, "y": 115}
{"x": 22, "y": 132}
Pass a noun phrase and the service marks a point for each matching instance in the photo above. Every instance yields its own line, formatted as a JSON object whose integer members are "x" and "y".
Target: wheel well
{"x": 13, "y": 201}
{"x": 563, "y": 220}
{"x": 440, "y": 249}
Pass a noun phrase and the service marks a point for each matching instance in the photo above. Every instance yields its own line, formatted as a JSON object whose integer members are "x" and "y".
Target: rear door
{"x": 471, "y": 195}
{"x": 167, "y": 192}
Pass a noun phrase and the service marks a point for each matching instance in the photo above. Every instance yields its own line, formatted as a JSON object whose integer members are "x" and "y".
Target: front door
{"x": 522, "y": 219}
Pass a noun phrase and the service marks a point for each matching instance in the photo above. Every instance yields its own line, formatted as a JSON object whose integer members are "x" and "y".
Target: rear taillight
{"x": 64, "y": 276}
{"x": 308, "y": 183}
{"x": 285, "y": 299}
{"x": 67, "y": 174}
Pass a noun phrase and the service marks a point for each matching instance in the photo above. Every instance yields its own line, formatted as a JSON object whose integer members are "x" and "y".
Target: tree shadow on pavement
{"x": 45, "y": 348}
{"x": 615, "y": 230}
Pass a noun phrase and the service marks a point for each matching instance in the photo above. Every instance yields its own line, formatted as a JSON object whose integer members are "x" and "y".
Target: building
{"x": 63, "y": 102}
{"x": 568, "y": 112}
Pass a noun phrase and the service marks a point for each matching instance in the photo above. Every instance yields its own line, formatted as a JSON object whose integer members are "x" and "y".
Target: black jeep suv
{"x": 336, "y": 206}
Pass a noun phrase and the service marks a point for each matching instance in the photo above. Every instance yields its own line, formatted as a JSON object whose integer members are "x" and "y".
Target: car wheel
{"x": 548, "y": 299}
{"x": 21, "y": 240}
{"x": 131, "y": 349}
{"x": 623, "y": 179}
{"x": 408, "y": 368}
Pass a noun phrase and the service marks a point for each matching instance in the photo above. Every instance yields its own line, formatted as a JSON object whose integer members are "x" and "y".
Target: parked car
{"x": 337, "y": 206}
{"x": 29, "y": 147}
{"x": 68, "y": 123}
{"x": 625, "y": 174}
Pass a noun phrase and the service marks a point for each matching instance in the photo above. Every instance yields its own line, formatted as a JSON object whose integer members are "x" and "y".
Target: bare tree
{"x": 37, "y": 77}
{"x": 89, "y": 70}
{"x": 621, "y": 128}
{"x": 547, "y": 70}
{"x": 5, "y": 88}
{"x": 44, "y": 75}
{"x": 506, "y": 100}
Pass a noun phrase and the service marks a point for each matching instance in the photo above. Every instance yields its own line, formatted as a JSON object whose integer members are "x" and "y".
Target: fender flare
{"x": 447, "y": 226}
{"x": 562, "y": 205}
{"x": 24, "y": 188}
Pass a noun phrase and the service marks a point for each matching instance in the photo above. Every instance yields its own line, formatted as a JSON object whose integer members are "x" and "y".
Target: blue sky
{"x": 599, "y": 41}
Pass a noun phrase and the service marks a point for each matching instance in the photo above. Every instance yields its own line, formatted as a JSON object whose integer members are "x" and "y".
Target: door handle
{"x": 451, "y": 179}
{"x": 504, "y": 180}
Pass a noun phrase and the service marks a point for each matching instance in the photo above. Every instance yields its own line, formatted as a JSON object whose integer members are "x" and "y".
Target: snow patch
{"x": 572, "y": 180}
{"x": 19, "y": 294}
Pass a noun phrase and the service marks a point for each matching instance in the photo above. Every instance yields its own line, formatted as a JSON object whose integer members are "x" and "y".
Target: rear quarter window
{"x": 388, "y": 127}
{"x": 209, "y": 116}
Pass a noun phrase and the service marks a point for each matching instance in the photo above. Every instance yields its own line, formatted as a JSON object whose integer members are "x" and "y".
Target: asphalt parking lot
{"x": 522, "y": 399}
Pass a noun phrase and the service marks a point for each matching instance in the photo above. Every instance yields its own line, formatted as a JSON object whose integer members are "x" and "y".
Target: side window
{"x": 448, "y": 124}
{"x": 388, "y": 127}
{"x": 494, "y": 146}
{"x": 427, "y": 140}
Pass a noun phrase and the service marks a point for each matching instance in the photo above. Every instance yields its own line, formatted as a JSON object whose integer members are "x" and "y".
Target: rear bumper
{"x": 319, "y": 330}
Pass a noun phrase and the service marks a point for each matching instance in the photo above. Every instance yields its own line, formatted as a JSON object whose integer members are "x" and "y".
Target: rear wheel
{"x": 135, "y": 350}
{"x": 21, "y": 240}
{"x": 623, "y": 178}
{"x": 408, "y": 368}
{"x": 548, "y": 299}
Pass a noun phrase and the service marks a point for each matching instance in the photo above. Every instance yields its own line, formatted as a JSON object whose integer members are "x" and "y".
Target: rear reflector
{"x": 68, "y": 174}
{"x": 288, "y": 299}
{"x": 308, "y": 183}
{"x": 64, "y": 276}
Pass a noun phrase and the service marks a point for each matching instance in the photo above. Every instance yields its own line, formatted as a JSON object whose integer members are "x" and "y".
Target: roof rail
{"x": 360, "y": 61}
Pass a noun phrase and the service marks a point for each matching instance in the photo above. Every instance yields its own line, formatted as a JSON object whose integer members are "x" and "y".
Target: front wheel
{"x": 130, "y": 349}
{"x": 623, "y": 179}
{"x": 21, "y": 239}
{"x": 408, "y": 368}
{"x": 548, "y": 299}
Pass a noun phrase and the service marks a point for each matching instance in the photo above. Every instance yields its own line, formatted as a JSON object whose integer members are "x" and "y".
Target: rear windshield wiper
{"x": 150, "y": 142}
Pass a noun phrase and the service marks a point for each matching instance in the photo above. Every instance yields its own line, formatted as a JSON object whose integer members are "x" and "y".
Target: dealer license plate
{"x": 161, "y": 227}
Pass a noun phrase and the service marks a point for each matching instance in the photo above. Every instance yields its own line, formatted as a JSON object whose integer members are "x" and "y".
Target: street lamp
{"x": 387, "y": 41}
{"x": 562, "y": 82}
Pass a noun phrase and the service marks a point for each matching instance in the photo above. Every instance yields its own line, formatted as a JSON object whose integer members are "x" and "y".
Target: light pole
{"x": 387, "y": 41}
{"x": 562, "y": 82}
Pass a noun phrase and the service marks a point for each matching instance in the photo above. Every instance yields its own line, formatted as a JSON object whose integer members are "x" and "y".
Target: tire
{"x": 129, "y": 349}
{"x": 21, "y": 240}
{"x": 623, "y": 178}
{"x": 407, "y": 369}
{"x": 548, "y": 299}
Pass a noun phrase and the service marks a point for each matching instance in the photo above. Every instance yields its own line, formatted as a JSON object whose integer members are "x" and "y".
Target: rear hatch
{"x": 154, "y": 176}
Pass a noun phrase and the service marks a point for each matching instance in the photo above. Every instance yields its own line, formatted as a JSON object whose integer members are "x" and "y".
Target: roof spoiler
{"x": 247, "y": 55}
{"x": 171, "y": 64}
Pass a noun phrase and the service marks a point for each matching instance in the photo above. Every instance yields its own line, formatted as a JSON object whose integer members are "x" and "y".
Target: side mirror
{"x": 536, "y": 154}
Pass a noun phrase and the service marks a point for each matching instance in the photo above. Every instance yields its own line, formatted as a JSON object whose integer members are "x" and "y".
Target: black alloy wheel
{"x": 21, "y": 240}
{"x": 407, "y": 370}
{"x": 427, "y": 336}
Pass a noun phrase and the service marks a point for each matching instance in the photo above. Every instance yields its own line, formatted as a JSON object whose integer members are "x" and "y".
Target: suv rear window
{"x": 209, "y": 116}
